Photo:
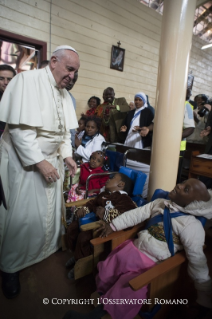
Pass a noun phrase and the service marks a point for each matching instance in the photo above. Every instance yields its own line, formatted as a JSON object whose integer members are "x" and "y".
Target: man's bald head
{"x": 188, "y": 191}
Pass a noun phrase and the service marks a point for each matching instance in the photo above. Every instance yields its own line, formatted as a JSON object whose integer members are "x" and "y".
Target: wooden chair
{"x": 83, "y": 266}
{"x": 164, "y": 279}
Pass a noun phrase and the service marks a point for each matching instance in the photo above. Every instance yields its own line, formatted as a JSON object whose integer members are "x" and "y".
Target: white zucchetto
{"x": 64, "y": 47}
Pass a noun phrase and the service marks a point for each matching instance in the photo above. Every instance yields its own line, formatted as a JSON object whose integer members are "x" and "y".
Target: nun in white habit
{"x": 39, "y": 114}
{"x": 136, "y": 119}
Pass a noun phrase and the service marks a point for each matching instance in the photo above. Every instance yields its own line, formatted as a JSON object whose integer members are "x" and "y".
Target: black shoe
{"x": 71, "y": 262}
{"x": 97, "y": 313}
{"x": 10, "y": 284}
{"x": 71, "y": 274}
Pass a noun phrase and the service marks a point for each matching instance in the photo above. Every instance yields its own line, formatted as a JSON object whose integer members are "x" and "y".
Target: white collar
{"x": 51, "y": 77}
{"x": 121, "y": 192}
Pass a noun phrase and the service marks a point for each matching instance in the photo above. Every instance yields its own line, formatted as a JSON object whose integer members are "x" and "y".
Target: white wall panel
{"x": 92, "y": 27}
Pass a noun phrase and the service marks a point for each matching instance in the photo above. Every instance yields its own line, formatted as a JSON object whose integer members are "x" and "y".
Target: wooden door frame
{"x": 40, "y": 45}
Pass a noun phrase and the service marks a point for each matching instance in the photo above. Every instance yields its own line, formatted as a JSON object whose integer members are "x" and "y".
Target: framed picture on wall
{"x": 117, "y": 58}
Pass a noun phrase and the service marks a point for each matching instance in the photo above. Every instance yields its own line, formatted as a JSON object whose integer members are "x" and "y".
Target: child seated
{"x": 91, "y": 140}
{"x": 81, "y": 128}
{"x": 133, "y": 258}
{"x": 110, "y": 203}
{"x": 98, "y": 164}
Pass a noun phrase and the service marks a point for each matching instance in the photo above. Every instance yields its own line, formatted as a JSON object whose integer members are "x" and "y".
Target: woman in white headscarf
{"x": 136, "y": 119}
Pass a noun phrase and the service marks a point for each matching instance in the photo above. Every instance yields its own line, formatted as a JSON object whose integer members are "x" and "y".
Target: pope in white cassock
{"x": 39, "y": 114}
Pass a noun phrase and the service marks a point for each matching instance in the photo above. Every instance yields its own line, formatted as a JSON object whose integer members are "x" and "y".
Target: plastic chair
{"x": 138, "y": 178}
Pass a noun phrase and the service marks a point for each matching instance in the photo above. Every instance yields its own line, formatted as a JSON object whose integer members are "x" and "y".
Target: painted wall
{"x": 92, "y": 27}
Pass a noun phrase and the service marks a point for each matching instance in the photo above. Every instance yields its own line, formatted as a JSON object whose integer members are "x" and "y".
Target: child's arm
{"x": 86, "y": 209}
{"x": 95, "y": 190}
{"x": 192, "y": 239}
{"x": 81, "y": 212}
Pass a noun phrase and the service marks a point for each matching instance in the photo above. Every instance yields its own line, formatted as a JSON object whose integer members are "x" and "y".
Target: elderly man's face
{"x": 72, "y": 82}
{"x": 64, "y": 68}
{"x": 5, "y": 77}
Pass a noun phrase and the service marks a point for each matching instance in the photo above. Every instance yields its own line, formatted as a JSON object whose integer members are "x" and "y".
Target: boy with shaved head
{"x": 132, "y": 258}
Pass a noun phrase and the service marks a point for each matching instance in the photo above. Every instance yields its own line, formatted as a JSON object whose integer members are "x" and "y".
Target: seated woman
{"x": 93, "y": 102}
{"x": 135, "y": 120}
{"x": 91, "y": 141}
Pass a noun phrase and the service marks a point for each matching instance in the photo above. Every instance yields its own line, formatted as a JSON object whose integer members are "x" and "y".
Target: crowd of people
{"x": 40, "y": 134}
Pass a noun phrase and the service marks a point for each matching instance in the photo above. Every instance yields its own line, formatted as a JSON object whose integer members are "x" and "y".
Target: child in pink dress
{"x": 98, "y": 164}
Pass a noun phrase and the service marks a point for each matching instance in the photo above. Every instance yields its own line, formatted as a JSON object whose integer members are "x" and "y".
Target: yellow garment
{"x": 183, "y": 146}
{"x": 189, "y": 104}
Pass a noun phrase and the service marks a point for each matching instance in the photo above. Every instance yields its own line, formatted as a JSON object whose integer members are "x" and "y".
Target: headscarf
{"x": 143, "y": 97}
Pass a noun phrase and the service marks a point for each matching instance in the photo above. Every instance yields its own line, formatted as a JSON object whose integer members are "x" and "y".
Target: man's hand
{"x": 81, "y": 212}
{"x": 195, "y": 117}
{"x": 110, "y": 106}
{"x": 144, "y": 131}
{"x": 100, "y": 211}
{"x": 206, "y": 132}
{"x": 104, "y": 229}
{"x": 72, "y": 166}
{"x": 123, "y": 128}
{"x": 48, "y": 171}
{"x": 208, "y": 106}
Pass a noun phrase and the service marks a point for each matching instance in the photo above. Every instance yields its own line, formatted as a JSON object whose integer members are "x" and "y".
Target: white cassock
{"x": 30, "y": 230}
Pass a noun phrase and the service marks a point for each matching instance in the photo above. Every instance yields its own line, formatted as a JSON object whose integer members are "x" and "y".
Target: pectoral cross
{"x": 60, "y": 126}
